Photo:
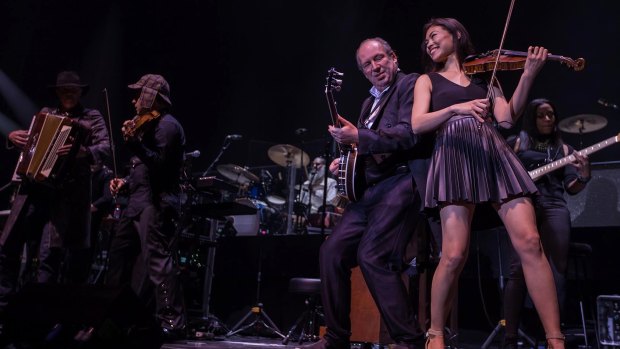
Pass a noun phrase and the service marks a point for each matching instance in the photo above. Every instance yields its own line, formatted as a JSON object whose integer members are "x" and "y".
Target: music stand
{"x": 260, "y": 316}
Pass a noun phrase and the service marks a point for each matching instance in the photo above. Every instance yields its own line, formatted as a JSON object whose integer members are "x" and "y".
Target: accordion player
{"x": 39, "y": 161}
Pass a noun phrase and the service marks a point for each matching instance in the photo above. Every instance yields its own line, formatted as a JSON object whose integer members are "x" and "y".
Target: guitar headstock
{"x": 334, "y": 80}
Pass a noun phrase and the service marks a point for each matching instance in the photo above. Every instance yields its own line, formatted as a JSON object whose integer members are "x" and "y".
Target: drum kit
{"x": 275, "y": 213}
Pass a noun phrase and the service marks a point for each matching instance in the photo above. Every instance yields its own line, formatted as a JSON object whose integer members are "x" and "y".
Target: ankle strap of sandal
{"x": 560, "y": 336}
{"x": 434, "y": 333}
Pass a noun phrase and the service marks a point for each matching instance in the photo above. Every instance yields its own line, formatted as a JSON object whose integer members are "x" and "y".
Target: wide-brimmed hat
{"x": 152, "y": 85}
{"x": 70, "y": 79}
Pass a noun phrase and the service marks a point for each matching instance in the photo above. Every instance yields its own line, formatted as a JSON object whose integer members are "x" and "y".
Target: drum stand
{"x": 212, "y": 322}
{"x": 292, "y": 175}
{"x": 261, "y": 319}
{"x": 208, "y": 324}
{"x": 502, "y": 322}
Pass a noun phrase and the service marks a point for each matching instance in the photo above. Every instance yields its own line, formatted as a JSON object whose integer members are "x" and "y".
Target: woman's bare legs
{"x": 455, "y": 225}
{"x": 520, "y": 221}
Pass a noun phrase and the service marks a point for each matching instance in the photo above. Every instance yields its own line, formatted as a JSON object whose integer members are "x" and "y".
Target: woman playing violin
{"x": 472, "y": 164}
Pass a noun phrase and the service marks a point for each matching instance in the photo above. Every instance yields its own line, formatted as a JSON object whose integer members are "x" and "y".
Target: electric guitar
{"x": 552, "y": 166}
{"x": 351, "y": 183}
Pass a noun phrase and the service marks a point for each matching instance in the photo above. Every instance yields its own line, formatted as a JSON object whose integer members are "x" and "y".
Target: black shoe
{"x": 169, "y": 334}
{"x": 323, "y": 344}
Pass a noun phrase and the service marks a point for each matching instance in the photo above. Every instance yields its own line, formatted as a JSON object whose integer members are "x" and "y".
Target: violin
{"x": 512, "y": 60}
{"x": 135, "y": 127}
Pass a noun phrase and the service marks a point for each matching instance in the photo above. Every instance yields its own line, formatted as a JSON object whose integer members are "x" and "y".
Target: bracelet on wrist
{"x": 583, "y": 180}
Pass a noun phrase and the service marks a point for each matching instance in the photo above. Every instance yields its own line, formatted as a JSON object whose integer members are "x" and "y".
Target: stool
{"x": 578, "y": 254}
{"x": 306, "y": 323}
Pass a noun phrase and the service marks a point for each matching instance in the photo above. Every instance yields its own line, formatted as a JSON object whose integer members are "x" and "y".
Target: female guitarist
{"x": 539, "y": 143}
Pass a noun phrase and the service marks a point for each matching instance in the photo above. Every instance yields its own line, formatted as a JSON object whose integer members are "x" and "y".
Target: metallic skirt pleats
{"x": 473, "y": 163}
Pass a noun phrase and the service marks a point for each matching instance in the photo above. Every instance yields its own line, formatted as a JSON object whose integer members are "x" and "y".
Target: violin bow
{"x": 111, "y": 135}
{"x": 499, "y": 51}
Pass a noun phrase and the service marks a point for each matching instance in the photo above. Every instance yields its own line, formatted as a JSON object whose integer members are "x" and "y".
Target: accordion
{"x": 39, "y": 161}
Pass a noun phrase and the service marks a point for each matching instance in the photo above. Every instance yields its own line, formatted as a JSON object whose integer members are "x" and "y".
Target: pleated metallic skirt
{"x": 473, "y": 163}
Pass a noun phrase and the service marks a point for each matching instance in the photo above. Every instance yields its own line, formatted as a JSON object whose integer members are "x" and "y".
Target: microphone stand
{"x": 328, "y": 160}
{"x": 310, "y": 187}
{"x": 299, "y": 224}
{"x": 225, "y": 145}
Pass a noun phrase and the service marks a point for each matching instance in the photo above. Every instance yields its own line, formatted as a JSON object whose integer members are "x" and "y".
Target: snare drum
{"x": 276, "y": 201}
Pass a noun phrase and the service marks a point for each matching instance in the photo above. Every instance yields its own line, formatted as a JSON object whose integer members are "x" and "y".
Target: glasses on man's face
{"x": 366, "y": 67}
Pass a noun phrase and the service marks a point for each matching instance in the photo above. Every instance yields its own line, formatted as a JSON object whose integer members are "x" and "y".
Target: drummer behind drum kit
{"x": 274, "y": 213}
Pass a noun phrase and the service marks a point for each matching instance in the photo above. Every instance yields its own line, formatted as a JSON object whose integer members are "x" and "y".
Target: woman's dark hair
{"x": 529, "y": 127}
{"x": 463, "y": 45}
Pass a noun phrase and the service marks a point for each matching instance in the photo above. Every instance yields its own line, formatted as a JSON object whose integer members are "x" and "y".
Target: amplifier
{"x": 598, "y": 205}
{"x": 608, "y": 319}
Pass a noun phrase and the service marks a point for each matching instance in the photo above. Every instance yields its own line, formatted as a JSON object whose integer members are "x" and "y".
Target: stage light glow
{"x": 22, "y": 106}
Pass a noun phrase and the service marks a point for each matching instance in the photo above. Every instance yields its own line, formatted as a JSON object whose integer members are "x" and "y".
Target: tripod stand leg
{"x": 495, "y": 332}
{"x": 527, "y": 338}
{"x": 299, "y": 321}
{"x": 236, "y": 328}
{"x": 271, "y": 325}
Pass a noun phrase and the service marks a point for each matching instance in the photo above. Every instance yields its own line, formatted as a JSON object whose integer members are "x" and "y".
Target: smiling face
{"x": 545, "y": 119}
{"x": 439, "y": 43}
{"x": 378, "y": 66}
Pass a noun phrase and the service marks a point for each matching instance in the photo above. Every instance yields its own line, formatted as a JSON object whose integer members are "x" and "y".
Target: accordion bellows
{"x": 39, "y": 161}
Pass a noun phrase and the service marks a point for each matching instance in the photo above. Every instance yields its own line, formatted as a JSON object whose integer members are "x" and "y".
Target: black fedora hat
{"x": 69, "y": 79}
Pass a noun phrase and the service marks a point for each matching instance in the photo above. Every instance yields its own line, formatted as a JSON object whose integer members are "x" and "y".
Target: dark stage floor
{"x": 468, "y": 339}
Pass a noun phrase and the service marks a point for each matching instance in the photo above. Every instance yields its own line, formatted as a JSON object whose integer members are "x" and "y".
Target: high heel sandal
{"x": 430, "y": 334}
{"x": 559, "y": 336}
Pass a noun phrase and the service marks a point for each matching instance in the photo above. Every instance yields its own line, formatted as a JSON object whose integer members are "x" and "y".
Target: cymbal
{"x": 237, "y": 173}
{"x": 582, "y": 123}
{"x": 285, "y": 154}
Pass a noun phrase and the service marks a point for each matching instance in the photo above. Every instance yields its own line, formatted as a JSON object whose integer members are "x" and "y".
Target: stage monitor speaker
{"x": 608, "y": 319}
{"x": 598, "y": 205}
{"x": 84, "y": 316}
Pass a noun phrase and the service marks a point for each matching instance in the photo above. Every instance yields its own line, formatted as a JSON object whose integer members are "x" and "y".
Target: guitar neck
{"x": 543, "y": 170}
{"x": 331, "y": 104}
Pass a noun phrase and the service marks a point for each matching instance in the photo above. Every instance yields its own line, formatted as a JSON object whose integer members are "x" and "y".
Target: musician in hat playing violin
{"x": 143, "y": 250}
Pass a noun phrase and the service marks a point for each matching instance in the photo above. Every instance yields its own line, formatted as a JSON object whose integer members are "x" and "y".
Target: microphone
{"x": 193, "y": 154}
{"x": 234, "y": 137}
{"x": 607, "y": 104}
{"x": 300, "y": 131}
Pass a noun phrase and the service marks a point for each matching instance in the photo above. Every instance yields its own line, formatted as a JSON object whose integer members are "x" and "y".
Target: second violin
{"x": 135, "y": 127}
